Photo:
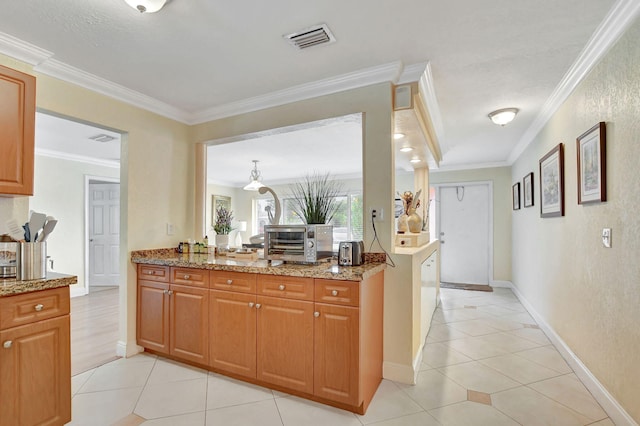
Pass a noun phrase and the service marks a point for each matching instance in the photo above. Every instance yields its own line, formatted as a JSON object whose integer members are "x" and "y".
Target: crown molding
{"x": 384, "y": 73}
{"x": 78, "y": 158}
{"x": 617, "y": 21}
{"x": 412, "y": 73}
{"x": 22, "y": 51}
{"x": 62, "y": 71}
{"x": 470, "y": 166}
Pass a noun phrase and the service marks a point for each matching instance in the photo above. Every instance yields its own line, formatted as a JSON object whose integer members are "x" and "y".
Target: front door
{"x": 104, "y": 234}
{"x": 464, "y": 233}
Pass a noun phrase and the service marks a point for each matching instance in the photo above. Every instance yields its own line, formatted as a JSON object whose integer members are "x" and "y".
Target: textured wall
{"x": 588, "y": 294}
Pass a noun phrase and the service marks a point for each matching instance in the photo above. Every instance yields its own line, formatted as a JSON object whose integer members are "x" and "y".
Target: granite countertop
{"x": 11, "y": 286}
{"x": 374, "y": 263}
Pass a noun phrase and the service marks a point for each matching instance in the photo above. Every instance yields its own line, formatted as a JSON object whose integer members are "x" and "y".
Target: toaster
{"x": 351, "y": 253}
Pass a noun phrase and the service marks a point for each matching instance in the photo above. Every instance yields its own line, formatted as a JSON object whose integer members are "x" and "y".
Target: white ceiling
{"x": 196, "y": 59}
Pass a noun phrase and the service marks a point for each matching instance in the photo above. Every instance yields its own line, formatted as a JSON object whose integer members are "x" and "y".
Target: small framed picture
{"x": 591, "y": 149}
{"x": 527, "y": 190}
{"x": 516, "y": 196}
{"x": 552, "y": 183}
{"x": 219, "y": 201}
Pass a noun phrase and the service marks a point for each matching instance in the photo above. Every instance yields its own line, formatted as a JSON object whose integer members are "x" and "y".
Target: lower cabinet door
{"x": 35, "y": 373}
{"x": 336, "y": 353}
{"x": 153, "y": 316}
{"x": 232, "y": 337}
{"x": 285, "y": 342}
{"x": 189, "y": 323}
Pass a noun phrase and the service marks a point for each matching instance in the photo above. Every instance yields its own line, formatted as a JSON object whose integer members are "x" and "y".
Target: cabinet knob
{"x": 170, "y": 292}
{"x": 187, "y": 276}
{"x": 281, "y": 287}
{"x": 149, "y": 272}
{"x": 258, "y": 305}
{"x": 38, "y": 307}
{"x": 251, "y": 304}
{"x": 7, "y": 344}
{"x": 165, "y": 291}
{"x": 316, "y": 314}
{"x": 334, "y": 292}
{"x": 229, "y": 282}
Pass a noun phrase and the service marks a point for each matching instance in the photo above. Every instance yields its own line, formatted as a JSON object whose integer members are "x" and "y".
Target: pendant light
{"x": 146, "y": 6}
{"x": 254, "y": 178}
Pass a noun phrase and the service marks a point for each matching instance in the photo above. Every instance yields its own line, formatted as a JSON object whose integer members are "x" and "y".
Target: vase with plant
{"x": 315, "y": 198}
{"x": 410, "y": 221}
{"x": 222, "y": 227}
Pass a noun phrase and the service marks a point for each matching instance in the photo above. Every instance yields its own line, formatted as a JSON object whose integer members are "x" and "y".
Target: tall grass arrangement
{"x": 315, "y": 198}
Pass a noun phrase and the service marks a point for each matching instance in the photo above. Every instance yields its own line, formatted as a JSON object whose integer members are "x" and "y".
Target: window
{"x": 347, "y": 222}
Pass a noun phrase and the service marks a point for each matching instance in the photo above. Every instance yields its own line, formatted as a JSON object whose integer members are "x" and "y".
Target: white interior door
{"x": 104, "y": 234}
{"x": 464, "y": 225}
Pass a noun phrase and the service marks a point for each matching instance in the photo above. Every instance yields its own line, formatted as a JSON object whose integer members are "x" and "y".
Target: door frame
{"x": 489, "y": 184}
{"x": 88, "y": 179}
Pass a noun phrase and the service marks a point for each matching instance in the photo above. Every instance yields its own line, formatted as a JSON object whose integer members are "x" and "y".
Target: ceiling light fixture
{"x": 414, "y": 160}
{"x": 397, "y": 136}
{"x": 406, "y": 149}
{"x": 503, "y": 116}
{"x": 254, "y": 178}
{"x": 146, "y": 6}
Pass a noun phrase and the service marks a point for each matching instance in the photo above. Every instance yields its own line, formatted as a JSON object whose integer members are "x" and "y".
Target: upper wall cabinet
{"x": 17, "y": 128}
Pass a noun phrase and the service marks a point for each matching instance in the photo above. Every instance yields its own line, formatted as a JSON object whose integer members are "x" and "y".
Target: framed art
{"x": 219, "y": 201}
{"x": 591, "y": 150}
{"x": 527, "y": 190}
{"x": 552, "y": 183}
{"x": 515, "y": 190}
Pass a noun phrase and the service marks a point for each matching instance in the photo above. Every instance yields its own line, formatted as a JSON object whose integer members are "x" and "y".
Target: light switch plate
{"x": 606, "y": 237}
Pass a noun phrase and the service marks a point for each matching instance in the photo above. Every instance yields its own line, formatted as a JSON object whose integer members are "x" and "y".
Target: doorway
{"x": 465, "y": 230}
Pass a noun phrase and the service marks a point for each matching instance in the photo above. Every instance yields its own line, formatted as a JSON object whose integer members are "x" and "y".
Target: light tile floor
{"x": 485, "y": 362}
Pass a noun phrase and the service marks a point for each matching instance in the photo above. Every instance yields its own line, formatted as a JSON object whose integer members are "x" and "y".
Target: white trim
{"x": 412, "y": 73}
{"x": 383, "y": 73}
{"x": 22, "y": 51}
{"x": 77, "y": 291}
{"x": 128, "y": 350}
{"x": 87, "y": 182}
{"x": 398, "y": 372}
{"x": 501, "y": 284}
{"x": 64, "y": 72}
{"x": 469, "y": 166}
{"x": 79, "y": 158}
{"x": 617, "y": 21}
{"x": 428, "y": 91}
{"x": 615, "y": 411}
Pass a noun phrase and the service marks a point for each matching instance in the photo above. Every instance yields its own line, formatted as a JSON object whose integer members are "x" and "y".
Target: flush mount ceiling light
{"x": 146, "y": 6}
{"x": 406, "y": 149}
{"x": 414, "y": 160}
{"x": 503, "y": 116}
{"x": 254, "y": 178}
{"x": 397, "y": 136}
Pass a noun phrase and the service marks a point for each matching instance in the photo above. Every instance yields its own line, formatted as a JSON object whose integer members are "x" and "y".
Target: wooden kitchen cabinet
{"x": 17, "y": 129}
{"x": 35, "y": 359}
{"x": 172, "y": 318}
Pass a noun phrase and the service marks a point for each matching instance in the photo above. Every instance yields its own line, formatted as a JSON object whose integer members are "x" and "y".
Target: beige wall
{"x": 59, "y": 192}
{"x": 502, "y": 181}
{"x": 590, "y": 295}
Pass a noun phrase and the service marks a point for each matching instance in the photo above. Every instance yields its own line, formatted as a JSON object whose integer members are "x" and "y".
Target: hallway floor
{"x": 485, "y": 362}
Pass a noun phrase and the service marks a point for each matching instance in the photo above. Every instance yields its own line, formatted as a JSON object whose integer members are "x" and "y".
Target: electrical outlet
{"x": 377, "y": 214}
{"x": 169, "y": 228}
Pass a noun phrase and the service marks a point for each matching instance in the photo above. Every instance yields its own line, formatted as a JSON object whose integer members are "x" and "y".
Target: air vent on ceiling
{"x": 102, "y": 138}
{"x": 309, "y": 37}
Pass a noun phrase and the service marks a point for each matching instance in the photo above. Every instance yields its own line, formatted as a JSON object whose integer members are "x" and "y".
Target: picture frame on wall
{"x": 515, "y": 189}
{"x": 527, "y": 190}
{"x": 219, "y": 201}
{"x": 552, "y": 183}
{"x": 592, "y": 165}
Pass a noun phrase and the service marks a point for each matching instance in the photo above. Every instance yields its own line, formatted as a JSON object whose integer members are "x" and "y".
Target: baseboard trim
{"x": 609, "y": 404}
{"x": 399, "y": 372}
{"x": 502, "y": 284}
{"x": 128, "y": 350}
{"x": 77, "y": 291}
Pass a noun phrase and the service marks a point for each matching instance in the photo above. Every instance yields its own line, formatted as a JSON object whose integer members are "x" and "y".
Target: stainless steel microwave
{"x": 298, "y": 243}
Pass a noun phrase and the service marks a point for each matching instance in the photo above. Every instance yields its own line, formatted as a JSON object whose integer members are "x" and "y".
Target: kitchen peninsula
{"x": 310, "y": 330}
{"x": 35, "y": 358}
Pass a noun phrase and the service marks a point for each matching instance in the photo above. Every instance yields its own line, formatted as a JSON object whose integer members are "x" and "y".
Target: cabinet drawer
{"x": 153, "y": 273}
{"x": 287, "y": 287}
{"x": 31, "y": 307}
{"x": 233, "y": 281}
{"x": 337, "y": 292}
{"x": 192, "y": 277}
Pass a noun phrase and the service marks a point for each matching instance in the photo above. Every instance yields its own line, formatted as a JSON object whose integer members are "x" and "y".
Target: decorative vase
{"x": 403, "y": 225}
{"x": 414, "y": 221}
{"x": 222, "y": 242}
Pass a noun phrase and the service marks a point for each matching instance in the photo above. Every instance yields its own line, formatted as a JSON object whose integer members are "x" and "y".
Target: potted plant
{"x": 223, "y": 226}
{"x": 315, "y": 198}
